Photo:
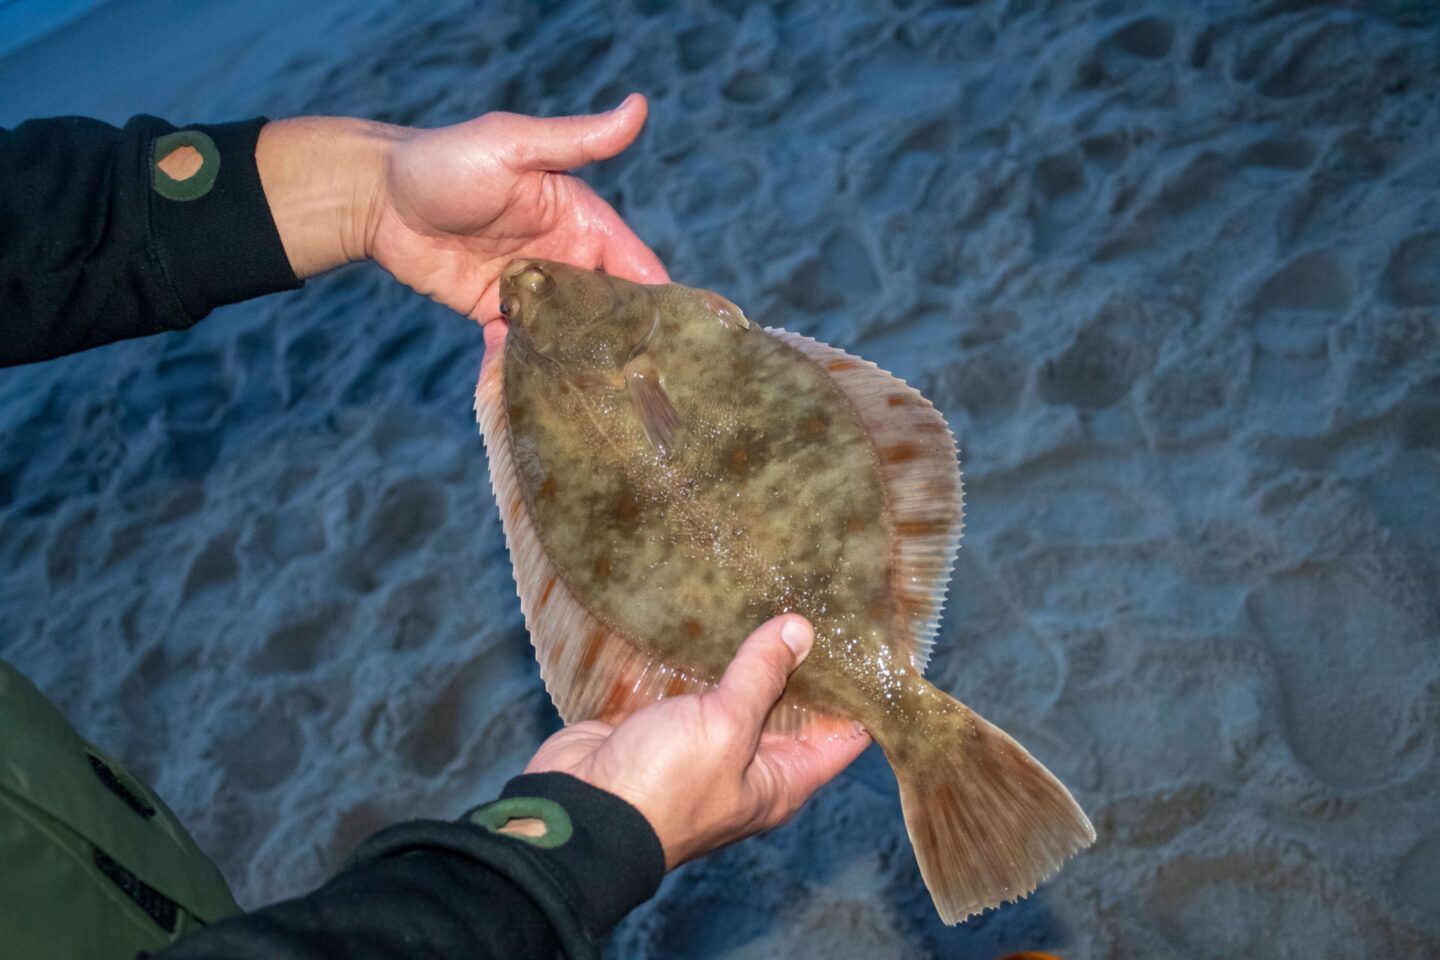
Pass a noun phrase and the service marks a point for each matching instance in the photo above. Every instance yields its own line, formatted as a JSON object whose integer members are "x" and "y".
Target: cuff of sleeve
{"x": 221, "y": 246}
{"x": 613, "y": 854}
{"x": 610, "y": 863}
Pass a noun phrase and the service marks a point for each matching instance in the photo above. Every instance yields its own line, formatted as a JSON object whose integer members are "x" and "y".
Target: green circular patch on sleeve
{"x": 197, "y": 184}
{"x": 495, "y": 815}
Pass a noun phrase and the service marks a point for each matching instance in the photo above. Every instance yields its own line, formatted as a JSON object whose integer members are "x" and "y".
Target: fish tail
{"x": 988, "y": 822}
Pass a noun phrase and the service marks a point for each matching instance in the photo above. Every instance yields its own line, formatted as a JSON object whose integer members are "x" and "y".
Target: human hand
{"x": 444, "y": 210}
{"x": 698, "y": 767}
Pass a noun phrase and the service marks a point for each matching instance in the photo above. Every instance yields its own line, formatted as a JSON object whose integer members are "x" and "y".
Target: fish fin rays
{"x": 729, "y": 315}
{"x": 590, "y": 671}
{"x": 652, "y": 404}
{"x": 918, "y": 463}
{"x": 789, "y": 719}
{"x": 988, "y": 822}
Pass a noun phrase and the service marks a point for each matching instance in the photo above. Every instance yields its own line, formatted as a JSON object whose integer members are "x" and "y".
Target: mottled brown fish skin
{"x": 689, "y": 476}
{"x": 770, "y": 501}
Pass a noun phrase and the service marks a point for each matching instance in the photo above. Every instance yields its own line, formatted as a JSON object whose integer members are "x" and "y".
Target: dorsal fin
{"x": 921, "y": 477}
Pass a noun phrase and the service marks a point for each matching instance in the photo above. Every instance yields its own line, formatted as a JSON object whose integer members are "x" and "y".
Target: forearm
{"x": 92, "y": 249}
{"x": 428, "y": 889}
{"x": 323, "y": 179}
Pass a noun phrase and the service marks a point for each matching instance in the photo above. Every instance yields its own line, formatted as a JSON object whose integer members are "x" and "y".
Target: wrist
{"x": 324, "y": 179}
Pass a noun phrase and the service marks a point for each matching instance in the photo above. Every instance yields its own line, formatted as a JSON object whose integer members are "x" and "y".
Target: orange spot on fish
{"x": 914, "y": 608}
{"x": 545, "y": 597}
{"x": 897, "y": 399}
{"x": 692, "y": 629}
{"x": 838, "y": 365}
{"x": 923, "y": 528}
{"x": 593, "y": 645}
{"x": 814, "y": 426}
{"x": 898, "y": 453}
{"x": 602, "y": 567}
{"x": 854, "y": 523}
{"x": 614, "y": 706}
{"x": 676, "y": 686}
{"x": 547, "y": 489}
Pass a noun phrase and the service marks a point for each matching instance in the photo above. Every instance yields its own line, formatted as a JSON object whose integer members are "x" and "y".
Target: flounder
{"x": 670, "y": 476}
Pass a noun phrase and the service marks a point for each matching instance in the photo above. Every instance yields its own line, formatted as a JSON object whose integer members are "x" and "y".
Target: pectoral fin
{"x": 652, "y": 404}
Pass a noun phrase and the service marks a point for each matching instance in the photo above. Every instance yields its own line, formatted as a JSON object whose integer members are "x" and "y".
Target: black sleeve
{"x": 92, "y": 250}
{"x": 457, "y": 890}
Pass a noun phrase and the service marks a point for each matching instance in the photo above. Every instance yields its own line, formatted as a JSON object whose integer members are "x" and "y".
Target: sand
{"x": 1172, "y": 271}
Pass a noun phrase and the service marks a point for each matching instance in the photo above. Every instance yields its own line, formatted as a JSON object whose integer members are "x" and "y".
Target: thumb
{"x": 563, "y": 143}
{"x": 756, "y": 677}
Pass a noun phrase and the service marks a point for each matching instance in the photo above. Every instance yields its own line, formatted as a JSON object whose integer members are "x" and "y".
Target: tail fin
{"x": 988, "y": 822}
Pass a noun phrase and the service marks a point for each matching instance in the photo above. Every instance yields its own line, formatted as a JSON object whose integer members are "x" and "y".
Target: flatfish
{"x": 670, "y": 476}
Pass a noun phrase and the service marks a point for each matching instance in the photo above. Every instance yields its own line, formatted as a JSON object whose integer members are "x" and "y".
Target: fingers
{"x": 627, "y": 256}
{"x": 797, "y": 768}
{"x": 563, "y": 143}
{"x": 495, "y": 332}
{"x": 624, "y": 254}
{"x": 756, "y": 677}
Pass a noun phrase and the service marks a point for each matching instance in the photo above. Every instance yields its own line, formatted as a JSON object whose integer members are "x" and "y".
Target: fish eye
{"x": 504, "y": 308}
{"x": 534, "y": 278}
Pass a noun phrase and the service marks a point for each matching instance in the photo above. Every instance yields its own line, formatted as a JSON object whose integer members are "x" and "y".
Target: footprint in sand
{"x": 288, "y": 534}
{"x": 1347, "y": 659}
{"x": 1412, "y": 277}
{"x": 214, "y": 566}
{"x": 396, "y": 353}
{"x": 477, "y": 702}
{"x": 261, "y": 750}
{"x": 1149, "y": 38}
{"x": 1292, "y": 314}
{"x": 700, "y": 46}
{"x": 297, "y": 645}
{"x": 1417, "y": 879}
{"x": 1246, "y": 901}
{"x": 1129, "y": 63}
{"x": 1286, "y": 154}
{"x": 409, "y": 512}
{"x": 1109, "y": 353}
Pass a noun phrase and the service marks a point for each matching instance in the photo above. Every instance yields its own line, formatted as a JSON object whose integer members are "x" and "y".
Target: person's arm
{"x": 579, "y": 840}
{"x": 107, "y": 234}
{"x": 95, "y": 246}
{"x": 445, "y": 210}
{"x": 463, "y": 889}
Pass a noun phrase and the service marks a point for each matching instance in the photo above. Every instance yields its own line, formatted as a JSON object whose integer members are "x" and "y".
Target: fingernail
{"x": 799, "y": 638}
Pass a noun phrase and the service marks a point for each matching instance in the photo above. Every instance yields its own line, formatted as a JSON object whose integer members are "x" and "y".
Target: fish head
{"x": 579, "y": 318}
